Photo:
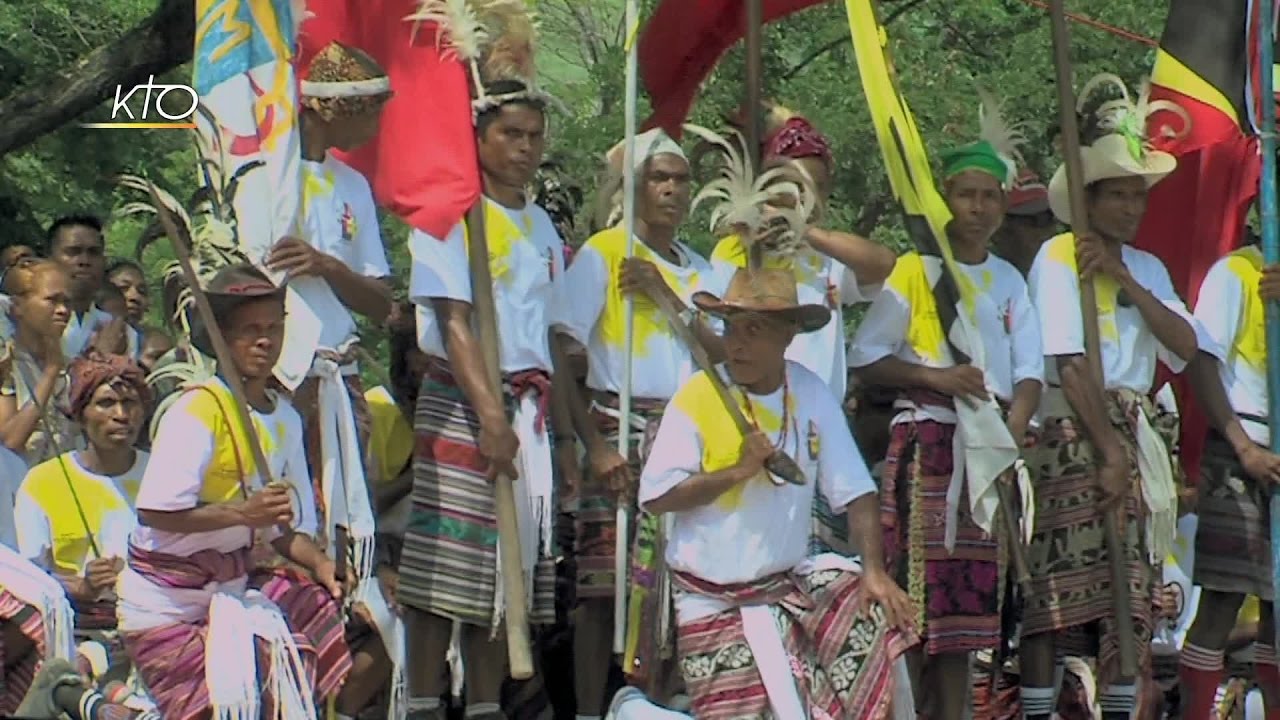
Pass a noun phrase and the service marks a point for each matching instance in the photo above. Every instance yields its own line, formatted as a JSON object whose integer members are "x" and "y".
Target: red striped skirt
{"x": 19, "y": 664}
{"x": 171, "y": 658}
{"x": 841, "y": 660}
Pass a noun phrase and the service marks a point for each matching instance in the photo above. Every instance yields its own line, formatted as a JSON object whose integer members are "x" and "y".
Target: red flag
{"x": 681, "y": 44}
{"x": 421, "y": 164}
{"x": 1196, "y": 215}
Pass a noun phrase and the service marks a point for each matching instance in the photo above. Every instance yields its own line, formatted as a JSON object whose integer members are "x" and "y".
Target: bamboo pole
{"x": 622, "y": 514}
{"x": 1089, "y": 315}
{"x": 1271, "y": 255}
{"x": 512, "y": 566}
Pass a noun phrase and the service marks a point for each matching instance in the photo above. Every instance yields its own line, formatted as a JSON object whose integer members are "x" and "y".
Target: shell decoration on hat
{"x": 1128, "y": 115}
{"x": 740, "y": 197}
{"x": 494, "y": 39}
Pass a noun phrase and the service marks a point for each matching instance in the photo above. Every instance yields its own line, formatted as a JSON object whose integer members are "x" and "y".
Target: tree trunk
{"x": 158, "y": 44}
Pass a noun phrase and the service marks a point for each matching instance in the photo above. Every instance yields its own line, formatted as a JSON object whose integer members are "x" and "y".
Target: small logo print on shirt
{"x": 348, "y": 223}
{"x": 815, "y": 442}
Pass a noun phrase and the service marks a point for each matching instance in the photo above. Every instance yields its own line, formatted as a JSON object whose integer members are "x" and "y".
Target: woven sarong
{"x": 1233, "y": 539}
{"x": 958, "y": 593}
{"x": 448, "y": 566}
{"x": 1070, "y": 567}
{"x": 596, "y": 526}
{"x": 18, "y": 665}
{"x": 841, "y": 661}
{"x": 171, "y": 658}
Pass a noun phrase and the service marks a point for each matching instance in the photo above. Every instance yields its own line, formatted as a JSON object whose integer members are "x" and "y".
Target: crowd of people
{"x": 825, "y": 524}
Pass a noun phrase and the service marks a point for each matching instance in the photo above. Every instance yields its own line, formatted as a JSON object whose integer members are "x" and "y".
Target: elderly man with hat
{"x": 661, "y": 269}
{"x": 194, "y": 623}
{"x": 763, "y": 630}
{"x": 1102, "y": 448}
{"x": 934, "y": 466}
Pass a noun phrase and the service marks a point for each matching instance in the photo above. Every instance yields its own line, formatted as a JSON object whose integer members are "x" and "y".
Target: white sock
{"x": 422, "y": 704}
{"x": 481, "y": 709}
{"x": 1037, "y": 701}
{"x": 1118, "y": 700}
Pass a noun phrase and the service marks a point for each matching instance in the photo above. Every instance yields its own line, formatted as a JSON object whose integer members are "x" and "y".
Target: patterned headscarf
{"x": 92, "y": 371}
{"x": 796, "y": 139}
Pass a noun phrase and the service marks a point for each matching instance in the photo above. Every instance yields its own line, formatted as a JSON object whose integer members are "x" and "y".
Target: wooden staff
{"x": 753, "y": 41}
{"x": 220, "y": 349}
{"x": 622, "y": 514}
{"x": 1089, "y": 315}
{"x": 504, "y": 499}
{"x": 1013, "y": 536}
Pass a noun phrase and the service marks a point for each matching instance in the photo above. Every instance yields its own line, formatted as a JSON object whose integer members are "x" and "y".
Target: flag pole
{"x": 1271, "y": 255}
{"x": 754, "y": 62}
{"x": 1089, "y": 316}
{"x": 622, "y": 513}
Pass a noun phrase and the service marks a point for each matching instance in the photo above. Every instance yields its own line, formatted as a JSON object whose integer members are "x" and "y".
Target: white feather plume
{"x": 1007, "y": 138}
{"x": 742, "y": 197}
{"x": 459, "y": 21}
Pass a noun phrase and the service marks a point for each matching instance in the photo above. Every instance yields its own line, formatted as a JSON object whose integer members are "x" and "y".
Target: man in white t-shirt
{"x": 340, "y": 270}
{"x": 76, "y": 243}
{"x": 833, "y": 268}
{"x": 661, "y": 268}
{"x": 952, "y": 567}
{"x": 1088, "y": 453}
{"x": 470, "y": 437}
{"x": 1238, "y": 472}
{"x": 764, "y": 631}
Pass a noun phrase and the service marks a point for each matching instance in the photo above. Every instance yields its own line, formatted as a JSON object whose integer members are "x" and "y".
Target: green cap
{"x": 981, "y": 156}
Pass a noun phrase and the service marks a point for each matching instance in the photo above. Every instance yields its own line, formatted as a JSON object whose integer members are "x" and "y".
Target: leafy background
{"x": 943, "y": 50}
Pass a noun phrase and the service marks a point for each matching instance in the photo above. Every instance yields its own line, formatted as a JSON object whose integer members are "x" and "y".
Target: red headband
{"x": 797, "y": 139}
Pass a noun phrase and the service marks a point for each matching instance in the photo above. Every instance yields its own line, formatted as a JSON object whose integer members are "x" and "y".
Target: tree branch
{"x": 842, "y": 39}
{"x": 158, "y": 44}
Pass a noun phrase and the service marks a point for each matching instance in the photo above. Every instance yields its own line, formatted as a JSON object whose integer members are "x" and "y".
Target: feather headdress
{"x": 747, "y": 202}
{"x": 1007, "y": 138}
{"x": 1127, "y": 116}
{"x": 494, "y": 39}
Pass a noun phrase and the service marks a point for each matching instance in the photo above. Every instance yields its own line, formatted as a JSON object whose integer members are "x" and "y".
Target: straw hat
{"x": 769, "y": 292}
{"x": 1109, "y": 157}
{"x": 232, "y": 287}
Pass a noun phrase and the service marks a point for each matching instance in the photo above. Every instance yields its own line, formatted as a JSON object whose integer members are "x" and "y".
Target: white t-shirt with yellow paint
{"x": 1233, "y": 315}
{"x": 526, "y": 259}
{"x": 340, "y": 219}
{"x": 595, "y": 315}
{"x": 200, "y": 457}
{"x": 902, "y": 323}
{"x": 1129, "y": 347}
{"x": 56, "y": 501}
{"x": 757, "y": 528}
{"x": 820, "y": 280}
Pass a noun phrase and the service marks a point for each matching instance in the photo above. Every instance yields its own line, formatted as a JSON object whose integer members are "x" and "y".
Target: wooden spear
{"x": 504, "y": 499}
{"x": 1089, "y": 316}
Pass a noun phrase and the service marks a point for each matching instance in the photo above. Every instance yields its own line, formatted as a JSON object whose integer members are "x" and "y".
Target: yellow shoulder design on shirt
{"x": 648, "y": 319}
{"x": 49, "y": 485}
{"x": 232, "y": 463}
{"x": 1062, "y": 250}
{"x": 910, "y": 280}
{"x": 1250, "y": 342}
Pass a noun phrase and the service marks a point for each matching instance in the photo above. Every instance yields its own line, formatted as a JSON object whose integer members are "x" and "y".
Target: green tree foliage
{"x": 943, "y": 50}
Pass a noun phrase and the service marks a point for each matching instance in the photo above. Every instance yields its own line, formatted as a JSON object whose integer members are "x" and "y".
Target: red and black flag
{"x": 682, "y": 43}
{"x": 1205, "y": 64}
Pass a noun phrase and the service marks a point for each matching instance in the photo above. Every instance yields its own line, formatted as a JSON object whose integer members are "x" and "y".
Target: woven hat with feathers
{"x": 1121, "y": 141}
{"x": 495, "y": 40}
{"x": 343, "y": 81}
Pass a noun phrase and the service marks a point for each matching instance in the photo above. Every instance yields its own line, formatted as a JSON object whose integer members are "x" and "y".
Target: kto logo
{"x": 175, "y": 104}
